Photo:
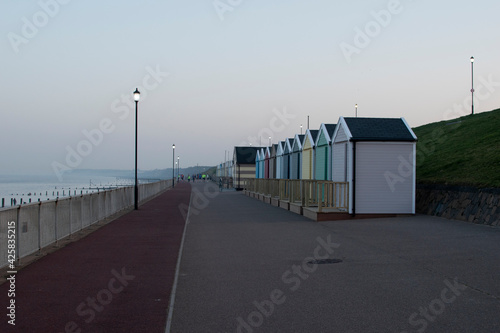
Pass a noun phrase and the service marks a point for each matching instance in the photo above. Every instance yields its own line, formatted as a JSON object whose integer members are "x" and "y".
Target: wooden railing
{"x": 308, "y": 193}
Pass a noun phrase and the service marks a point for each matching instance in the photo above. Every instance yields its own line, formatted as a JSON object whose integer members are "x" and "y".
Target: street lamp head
{"x": 137, "y": 95}
{"x": 471, "y": 59}
{"x": 173, "y": 146}
{"x": 356, "y": 106}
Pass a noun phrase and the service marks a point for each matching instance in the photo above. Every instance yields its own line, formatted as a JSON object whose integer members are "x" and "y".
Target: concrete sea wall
{"x": 25, "y": 229}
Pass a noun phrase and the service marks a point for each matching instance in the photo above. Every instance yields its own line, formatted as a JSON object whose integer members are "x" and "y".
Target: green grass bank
{"x": 463, "y": 151}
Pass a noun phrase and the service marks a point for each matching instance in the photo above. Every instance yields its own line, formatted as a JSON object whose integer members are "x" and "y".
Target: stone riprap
{"x": 476, "y": 205}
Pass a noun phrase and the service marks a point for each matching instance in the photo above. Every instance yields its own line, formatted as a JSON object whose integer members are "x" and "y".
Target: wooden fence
{"x": 308, "y": 193}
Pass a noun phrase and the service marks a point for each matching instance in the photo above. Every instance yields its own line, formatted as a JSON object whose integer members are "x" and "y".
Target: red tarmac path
{"x": 117, "y": 279}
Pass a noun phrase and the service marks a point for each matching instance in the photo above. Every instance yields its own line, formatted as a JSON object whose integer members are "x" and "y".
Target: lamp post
{"x": 178, "y": 166}
{"x": 472, "y": 82}
{"x": 301, "y": 129}
{"x": 137, "y": 96}
{"x": 173, "y": 168}
{"x": 356, "y": 110}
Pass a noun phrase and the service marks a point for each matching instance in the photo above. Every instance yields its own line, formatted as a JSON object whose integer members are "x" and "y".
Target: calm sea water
{"x": 43, "y": 188}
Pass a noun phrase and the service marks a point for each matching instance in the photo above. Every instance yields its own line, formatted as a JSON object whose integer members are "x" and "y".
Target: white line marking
{"x": 177, "y": 268}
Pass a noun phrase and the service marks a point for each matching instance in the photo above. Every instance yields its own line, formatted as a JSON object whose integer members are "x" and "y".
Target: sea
{"x": 21, "y": 189}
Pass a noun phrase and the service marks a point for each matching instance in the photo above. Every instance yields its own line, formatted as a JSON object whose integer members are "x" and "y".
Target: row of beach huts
{"x": 374, "y": 159}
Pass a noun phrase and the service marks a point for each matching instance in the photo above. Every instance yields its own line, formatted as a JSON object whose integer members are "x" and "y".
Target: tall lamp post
{"x": 356, "y": 110}
{"x": 472, "y": 82}
{"x": 173, "y": 168}
{"x": 137, "y": 96}
{"x": 178, "y": 166}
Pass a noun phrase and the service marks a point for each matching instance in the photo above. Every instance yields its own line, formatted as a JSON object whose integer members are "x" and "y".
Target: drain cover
{"x": 324, "y": 261}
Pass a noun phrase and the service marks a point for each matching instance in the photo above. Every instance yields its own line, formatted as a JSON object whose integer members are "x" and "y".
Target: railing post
{"x": 70, "y": 215}
{"x": 302, "y": 193}
{"x": 39, "y": 227}
{"x": 55, "y": 222}
{"x": 320, "y": 201}
{"x": 18, "y": 238}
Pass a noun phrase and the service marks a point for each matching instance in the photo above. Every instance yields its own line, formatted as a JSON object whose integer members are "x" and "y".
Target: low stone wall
{"x": 461, "y": 203}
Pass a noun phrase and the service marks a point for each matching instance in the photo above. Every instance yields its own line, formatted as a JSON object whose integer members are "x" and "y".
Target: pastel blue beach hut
{"x": 286, "y": 158}
{"x": 272, "y": 161}
{"x": 257, "y": 164}
{"x": 279, "y": 159}
{"x": 262, "y": 163}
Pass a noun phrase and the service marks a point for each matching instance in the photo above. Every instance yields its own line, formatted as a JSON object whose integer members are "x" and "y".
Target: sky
{"x": 214, "y": 74}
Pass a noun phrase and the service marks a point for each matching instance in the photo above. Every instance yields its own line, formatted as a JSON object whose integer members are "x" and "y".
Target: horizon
{"x": 74, "y": 172}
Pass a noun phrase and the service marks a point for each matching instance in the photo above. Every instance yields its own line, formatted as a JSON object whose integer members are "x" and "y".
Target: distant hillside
{"x": 167, "y": 173}
{"x": 212, "y": 171}
{"x": 142, "y": 174}
{"x": 463, "y": 151}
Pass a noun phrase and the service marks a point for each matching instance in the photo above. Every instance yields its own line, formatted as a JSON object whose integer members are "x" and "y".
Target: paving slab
{"x": 249, "y": 267}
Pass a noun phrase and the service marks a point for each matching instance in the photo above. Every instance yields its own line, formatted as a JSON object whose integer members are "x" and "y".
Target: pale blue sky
{"x": 227, "y": 76}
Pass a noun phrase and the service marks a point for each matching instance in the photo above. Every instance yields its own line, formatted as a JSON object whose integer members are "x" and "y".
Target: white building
{"x": 377, "y": 157}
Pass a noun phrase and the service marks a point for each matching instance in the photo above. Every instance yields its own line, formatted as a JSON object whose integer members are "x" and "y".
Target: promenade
{"x": 247, "y": 266}
{"x": 245, "y": 269}
{"x": 117, "y": 279}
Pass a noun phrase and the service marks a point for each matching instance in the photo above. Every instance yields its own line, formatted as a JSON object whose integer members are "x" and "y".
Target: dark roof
{"x": 274, "y": 149}
{"x": 290, "y": 141}
{"x": 301, "y": 139}
{"x": 246, "y": 155}
{"x": 314, "y": 134}
{"x": 282, "y": 145}
{"x": 330, "y": 128}
{"x": 378, "y": 129}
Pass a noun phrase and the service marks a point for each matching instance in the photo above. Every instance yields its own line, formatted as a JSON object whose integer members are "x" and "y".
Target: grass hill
{"x": 462, "y": 151}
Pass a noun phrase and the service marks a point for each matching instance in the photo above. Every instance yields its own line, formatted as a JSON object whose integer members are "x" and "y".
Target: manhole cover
{"x": 324, "y": 261}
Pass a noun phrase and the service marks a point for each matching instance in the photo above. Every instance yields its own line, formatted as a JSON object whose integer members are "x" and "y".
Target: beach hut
{"x": 323, "y": 165}
{"x": 286, "y": 159}
{"x": 272, "y": 161}
{"x": 279, "y": 159}
{"x": 244, "y": 165}
{"x": 257, "y": 164}
{"x": 295, "y": 157}
{"x": 230, "y": 168}
{"x": 262, "y": 165}
{"x": 267, "y": 158}
{"x": 308, "y": 154}
{"x": 377, "y": 157}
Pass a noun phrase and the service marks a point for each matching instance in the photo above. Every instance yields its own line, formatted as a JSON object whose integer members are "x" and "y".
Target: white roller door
{"x": 384, "y": 178}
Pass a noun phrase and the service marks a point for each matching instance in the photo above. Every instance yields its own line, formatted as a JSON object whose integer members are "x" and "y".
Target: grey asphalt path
{"x": 244, "y": 269}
